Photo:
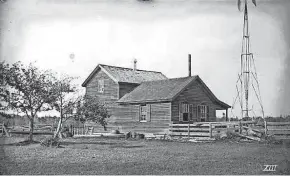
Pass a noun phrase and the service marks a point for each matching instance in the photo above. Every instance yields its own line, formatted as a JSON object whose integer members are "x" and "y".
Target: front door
{"x": 203, "y": 113}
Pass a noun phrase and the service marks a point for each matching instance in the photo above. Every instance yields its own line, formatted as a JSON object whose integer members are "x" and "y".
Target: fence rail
{"x": 279, "y": 130}
{"x": 36, "y": 127}
{"x": 206, "y": 129}
{"x": 39, "y": 129}
{"x": 83, "y": 130}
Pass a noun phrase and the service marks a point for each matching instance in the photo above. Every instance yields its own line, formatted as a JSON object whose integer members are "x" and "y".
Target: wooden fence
{"x": 207, "y": 129}
{"x": 92, "y": 131}
{"x": 39, "y": 129}
{"x": 4, "y": 130}
{"x": 199, "y": 129}
{"x": 81, "y": 130}
{"x": 279, "y": 130}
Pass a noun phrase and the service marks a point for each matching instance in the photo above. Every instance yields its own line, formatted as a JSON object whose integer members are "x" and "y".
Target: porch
{"x": 203, "y": 112}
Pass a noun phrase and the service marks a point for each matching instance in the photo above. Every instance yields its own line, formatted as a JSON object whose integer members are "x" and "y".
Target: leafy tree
{"x": 26, "y": 89}
{"x": 91, "y": 109}
{"x": 66, "y": 101}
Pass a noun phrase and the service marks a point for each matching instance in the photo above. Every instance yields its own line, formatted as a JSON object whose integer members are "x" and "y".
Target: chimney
{"x": 135, "y": 65}
{"x": 189, "y": 65}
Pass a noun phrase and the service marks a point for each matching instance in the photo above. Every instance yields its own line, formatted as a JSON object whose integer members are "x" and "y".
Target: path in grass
{"x": 104, "y": 156}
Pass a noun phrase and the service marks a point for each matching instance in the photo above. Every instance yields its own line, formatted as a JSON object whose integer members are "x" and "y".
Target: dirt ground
{"x": 119, "y": 156}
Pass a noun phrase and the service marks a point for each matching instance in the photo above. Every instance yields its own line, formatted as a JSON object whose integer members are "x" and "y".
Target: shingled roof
{"x": 163, "y": 90}
{"x": 128, "y": 75}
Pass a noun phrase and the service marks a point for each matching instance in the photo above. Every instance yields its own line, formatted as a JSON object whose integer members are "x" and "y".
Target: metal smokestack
{"x": 189, "y": 65}
{"x": 135, "y": 65}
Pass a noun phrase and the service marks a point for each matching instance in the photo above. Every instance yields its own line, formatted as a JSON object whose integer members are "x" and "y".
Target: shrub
{"x": 115, "y": 132}
{"x": 50, "y": 142}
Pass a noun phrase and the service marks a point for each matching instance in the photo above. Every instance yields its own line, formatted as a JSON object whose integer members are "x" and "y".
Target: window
{"x": 203, "y": 112}
{"x": 143, "y": 113}
{"x": 101, "y": 86}
{"x": 186, "y": 112}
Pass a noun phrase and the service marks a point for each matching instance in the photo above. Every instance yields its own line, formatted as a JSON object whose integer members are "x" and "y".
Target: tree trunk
{"x": 31, "y": 122}
{"x": 56, "y": 134}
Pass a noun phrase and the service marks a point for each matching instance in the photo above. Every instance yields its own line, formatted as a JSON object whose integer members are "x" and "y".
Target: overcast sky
{"x": 159, "y": 34}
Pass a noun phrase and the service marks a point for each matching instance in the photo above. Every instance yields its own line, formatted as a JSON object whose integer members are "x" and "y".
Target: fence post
{"x": 188, "y": 129}
{"x": 265, "y": 127}
{"x": 2, "y": 128}
{"x": 240, "y": 126}
{"x": 210, "y": 130}
{"x": 73, "y": 130}
{"x": 52, "y": 127}
{"x": 83, "y": 131}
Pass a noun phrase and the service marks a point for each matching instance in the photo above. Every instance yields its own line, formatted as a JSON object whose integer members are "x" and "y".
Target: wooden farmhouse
{"x": 147, "y": 101}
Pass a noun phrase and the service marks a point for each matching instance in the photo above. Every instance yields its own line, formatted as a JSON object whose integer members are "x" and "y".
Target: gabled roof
{"x": 156, "y": 91}
{"x": 164, "y": 90}
{"x": 128, "y": 75}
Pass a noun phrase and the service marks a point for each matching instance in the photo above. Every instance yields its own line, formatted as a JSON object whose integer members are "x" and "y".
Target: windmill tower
{"x": 247, "y": 78}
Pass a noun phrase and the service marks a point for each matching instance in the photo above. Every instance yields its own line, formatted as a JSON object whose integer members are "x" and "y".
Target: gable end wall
{"x": 194, "y": 94}
{"x": 111, "y": 89}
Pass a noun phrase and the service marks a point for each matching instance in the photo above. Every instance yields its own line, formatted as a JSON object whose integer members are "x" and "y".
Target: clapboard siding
{"x": 124, "y": 113}
{"x": 111, "y": 89}
{"x": 126, "y": 118}
{"x": 125, "y": 88}
{"x": 160, "y": 112}
{"x": 194, "y": 94}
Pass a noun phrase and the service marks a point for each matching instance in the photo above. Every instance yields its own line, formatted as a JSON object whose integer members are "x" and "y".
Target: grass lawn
{"x": 118, "y": 156}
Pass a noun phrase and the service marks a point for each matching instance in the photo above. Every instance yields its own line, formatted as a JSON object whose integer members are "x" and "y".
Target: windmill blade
{"x": 254, "y": 2}
{"x": 239, "y": 4}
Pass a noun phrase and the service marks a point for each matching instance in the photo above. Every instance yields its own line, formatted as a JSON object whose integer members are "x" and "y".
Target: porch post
{"x": 227, "y": 119}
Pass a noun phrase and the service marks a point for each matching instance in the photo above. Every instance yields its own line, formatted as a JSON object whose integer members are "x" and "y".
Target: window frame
{"x": 143, "y": 113}
{"x": 101, "y": 86}
{"x": 203, "y": 112}
{"x": 186, "y": 108}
